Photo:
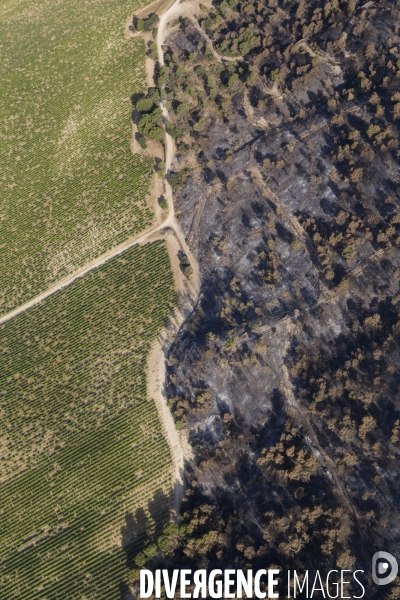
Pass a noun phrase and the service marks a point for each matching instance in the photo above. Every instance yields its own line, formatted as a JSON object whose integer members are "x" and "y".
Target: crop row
{"x": 47, "y": 560}
{"x": 69, "y": 187}
{"x": 77, "y": 358}
{"x": 82, "y": 446}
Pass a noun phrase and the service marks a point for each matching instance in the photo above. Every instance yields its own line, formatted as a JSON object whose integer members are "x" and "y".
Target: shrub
{"x": 162, "y": 77}
{"x": 153, "y": 51}
{"x": 232, "y": 80}
{"x": 175, "y": 180}
{"x": 183, "y": 110}
{"x": 348, "y": 252}
{"x": 244, "y": 47}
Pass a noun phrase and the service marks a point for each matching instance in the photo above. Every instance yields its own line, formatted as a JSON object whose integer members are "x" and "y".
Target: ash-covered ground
{"x": 286, "y": 374}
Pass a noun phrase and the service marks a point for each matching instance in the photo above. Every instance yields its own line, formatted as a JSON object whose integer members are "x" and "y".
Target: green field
{"x": 81, "y": 447}
{"x": 70, "y": 187}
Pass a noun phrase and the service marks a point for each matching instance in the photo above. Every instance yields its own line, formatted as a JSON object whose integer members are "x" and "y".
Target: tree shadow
{"x": 126, "y": 592}
{"x": 141, "y": 530}
{"x": 133, "y": 534}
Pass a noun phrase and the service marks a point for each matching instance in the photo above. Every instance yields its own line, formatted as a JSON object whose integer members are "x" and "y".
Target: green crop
{"x": 81, "y": 446}
{"x": 70, "y": 187}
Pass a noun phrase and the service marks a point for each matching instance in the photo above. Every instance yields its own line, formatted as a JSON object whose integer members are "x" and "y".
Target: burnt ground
{"x": 286, "y": 374}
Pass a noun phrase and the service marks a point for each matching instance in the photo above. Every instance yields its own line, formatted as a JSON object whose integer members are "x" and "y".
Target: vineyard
{"x": 70, "y": 187}
{"x": 82, "y": 450}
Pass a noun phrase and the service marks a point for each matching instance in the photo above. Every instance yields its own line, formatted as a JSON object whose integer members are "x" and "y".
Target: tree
{"x": 144, "y": 105}
{"x": 161, "y": 169}
{"x": 149, "y": 125}
{"x": 232, "y": 80}
{"x": 172, "y": 130}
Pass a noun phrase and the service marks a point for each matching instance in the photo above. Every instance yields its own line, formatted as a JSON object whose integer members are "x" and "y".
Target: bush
{"x": 348, "y": 252}
{"x": 175, "y": 181}
{"x": 169, "y": 535}
{"x": 180, "y": 72}
{"x": 184, "y": 260}
{"x": 223, "y": 7}
{"x": 183, "y": 110}
{"x": 162, "y": 77}
{"x": 153, "y": 52}
{"x": 154, "y": 94}
{"x": 274, "y": 74}
{"x": 244, "y": 47}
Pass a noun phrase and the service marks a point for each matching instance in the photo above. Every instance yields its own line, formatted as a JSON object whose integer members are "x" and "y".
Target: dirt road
{"x": 177, "y": 9}
{"x": 140, "y": 238}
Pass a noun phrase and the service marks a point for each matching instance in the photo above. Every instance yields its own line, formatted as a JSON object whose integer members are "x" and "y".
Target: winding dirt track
{"x": 156, "y": 363}
{"x": 176, "y": 9}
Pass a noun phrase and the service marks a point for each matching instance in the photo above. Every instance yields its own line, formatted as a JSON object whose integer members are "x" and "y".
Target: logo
{"x": 384, "y": 568}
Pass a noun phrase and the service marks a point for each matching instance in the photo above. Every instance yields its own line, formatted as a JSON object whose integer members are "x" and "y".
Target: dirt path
{"x": 173, "y": 12}
{"x": 219, "y": 57}
{"x": 138, "y": 239}
{"x": 187, "y": 296}
{"x": 156, "y": 371}
{"x": 155, "y": 389}
{"x": 186, "y": 9}
{"x": 177, "y": 9}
